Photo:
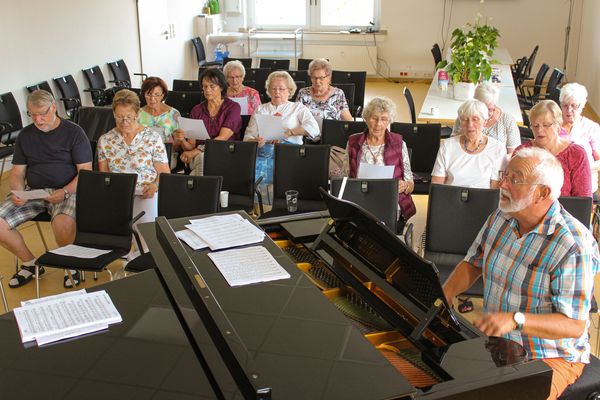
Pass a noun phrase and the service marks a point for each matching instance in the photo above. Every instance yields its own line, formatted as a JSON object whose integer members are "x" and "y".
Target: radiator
{"x": 345, "y": 57}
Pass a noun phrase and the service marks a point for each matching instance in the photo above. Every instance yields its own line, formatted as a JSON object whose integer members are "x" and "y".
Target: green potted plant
{"x": 471, "y": 48}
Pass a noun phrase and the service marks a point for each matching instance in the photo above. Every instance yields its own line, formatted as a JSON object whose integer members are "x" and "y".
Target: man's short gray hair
{"x": 473, "y": 108}
{"x": 380, "y": 105}
{"x": 234, "y": 64}
{"x": 40, "y": 98}
{"x": 547, "y": 171}
{"x": 574, "y": 92}
{"x": 291, "y": 85}
{"x": 487, "y": 93}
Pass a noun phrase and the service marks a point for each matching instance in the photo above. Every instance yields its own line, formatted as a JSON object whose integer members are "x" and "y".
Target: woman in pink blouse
{"x": 545, "y": 121}
{"x": 235, "y": 73}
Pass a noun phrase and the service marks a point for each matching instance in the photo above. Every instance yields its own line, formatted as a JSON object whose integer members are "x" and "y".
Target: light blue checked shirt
{"x": 550, "y": 269}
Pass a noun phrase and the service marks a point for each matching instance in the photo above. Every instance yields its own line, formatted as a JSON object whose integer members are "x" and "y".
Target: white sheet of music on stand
{"x": 248, "y": 265}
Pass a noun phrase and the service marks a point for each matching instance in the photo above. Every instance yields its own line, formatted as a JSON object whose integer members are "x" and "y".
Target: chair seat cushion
{"x": 588, "y": 382}
{"x": 86, "y": 264}
{"x": 141, "y": 263}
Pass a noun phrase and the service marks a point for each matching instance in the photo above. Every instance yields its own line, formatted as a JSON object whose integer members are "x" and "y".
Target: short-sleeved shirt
{"x": 228, "y": 116}
{"x": 52, "y": 157}
{"x": 505, "y": 130}
{"x": 138, "y": 158}
{"x": 168, "y": 121}
{"x": 471, "y": 170}
{"x": 548, "y": 270}
{"x": 330, "y": 108}
{"x": 252, "y": 96}
{"x": 576, "y": 169}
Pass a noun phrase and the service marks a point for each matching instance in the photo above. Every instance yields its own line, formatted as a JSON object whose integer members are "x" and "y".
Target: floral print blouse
{"x": 331, "y": 108}
{"x": 138, "y": 158}
{"x": 168, "y": 121}
{"x": 253, "y": 98}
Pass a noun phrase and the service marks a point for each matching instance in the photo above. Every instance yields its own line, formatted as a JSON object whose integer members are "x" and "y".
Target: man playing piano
{"x": 538, "y": 265}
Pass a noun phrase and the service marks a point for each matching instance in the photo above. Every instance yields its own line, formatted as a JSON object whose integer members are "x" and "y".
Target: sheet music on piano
{"x": 225, "y": 231}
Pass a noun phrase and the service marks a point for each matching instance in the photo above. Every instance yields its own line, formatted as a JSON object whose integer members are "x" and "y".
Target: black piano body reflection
{"x": 362, "y": 317}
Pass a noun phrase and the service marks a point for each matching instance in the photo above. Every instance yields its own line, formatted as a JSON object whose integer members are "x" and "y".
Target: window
{"x": 314, "y": 15}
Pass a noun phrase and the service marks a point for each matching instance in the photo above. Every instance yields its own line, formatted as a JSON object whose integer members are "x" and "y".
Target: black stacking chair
{"x": 299, "y": 85}
{"x": 359, "y": 79}
{"x": 378, "y": 196}
{"x": 95, "y": 121}
{"x": 530, "y": 61}
{"x": 303, "y": 64}
{"x": 181, "y": 196}
{"x": 579, "y": 207}
{"x": 245, "y": 122}
{"x": 529, "y": 95}
{"x": 300, "y": 75}
{"x": 10, "y": 126}
{"x": 69, "y": 93}
{"x": 348, "y": 89}
{"x": 553, "y": 82}
{"x": 184, "y": 101}
{"x": 121, "y": 74}
{"x": 424, "y": 140}
{"x": 336, "y": 133}
{"x": 182, "y": 85}
{"x": 437, "y": 54}
{"x": 236, "y": 163}
{"x": 518, "y": 72}
{"x": 303, "y": 168}
{"x": 104, "y": 220}
{"x": 411, "y": 104}
{"x": 101, "y": 96}
{"x": 250, "y": 83}
{"x": 587, "y": 387}
{"x": 274, "y": 64}
{"x": 201, "y": 54}
{"x": 259, "y": 75}
{"x": 40, "y": 86}
{"x": 246, "y": 62}
{"x": 455, "y": 216}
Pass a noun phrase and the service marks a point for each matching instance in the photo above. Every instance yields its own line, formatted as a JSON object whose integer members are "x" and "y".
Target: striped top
{"x": 550, "y": 269}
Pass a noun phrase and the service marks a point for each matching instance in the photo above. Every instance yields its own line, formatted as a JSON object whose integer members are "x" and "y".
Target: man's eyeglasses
{"x": 512, "y": 179}
{"x": 545, "y": 126}
{"x": 42, "y": 114}
{"x": 125, "y": 119}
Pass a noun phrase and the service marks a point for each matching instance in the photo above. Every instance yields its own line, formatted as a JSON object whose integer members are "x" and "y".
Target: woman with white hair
{"x": 545, "y": 120}
{"x": 579, "y": 129}
{"x": 470, "y": 159}
{"x": 296, "y": 119}
{"x": 235, "y": 73}
{"x": 323, "y": 100}
{"x": 499, "y": 125}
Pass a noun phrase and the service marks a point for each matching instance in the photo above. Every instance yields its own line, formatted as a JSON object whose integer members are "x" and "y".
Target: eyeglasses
{"x": 571, "y": 106}
{"x": 278, "y": 89}
{"x": 545, "y": 126}
{"x": 474, "y": 119}
{"x": 125, "y": 119}
{"x": 319, "y": 78}
{"x": 155, "y": 94}
{"x": 511, "y": 178}
{"x": 231, "y": 76}
{"x": 42, "y": 114}
{"x": 210, "y": 87}
{"x": 376, "y": 120}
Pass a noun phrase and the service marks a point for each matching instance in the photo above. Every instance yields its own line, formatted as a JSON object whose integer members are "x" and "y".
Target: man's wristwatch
{"x": 67, "y": 194}
{"x": 519, "y": 319}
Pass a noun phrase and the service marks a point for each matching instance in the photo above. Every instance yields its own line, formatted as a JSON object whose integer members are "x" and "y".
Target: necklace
{"x": 475, "y": 150}
{"x": 375, "y": 155}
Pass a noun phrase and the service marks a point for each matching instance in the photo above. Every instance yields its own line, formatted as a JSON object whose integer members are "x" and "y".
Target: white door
{"x": 154, "y": 38}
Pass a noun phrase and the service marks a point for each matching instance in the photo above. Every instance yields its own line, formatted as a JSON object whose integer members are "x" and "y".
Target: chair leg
{"x": 39, "y": 228}
{"x": 4, "y": 302}
{"x": 109, "y": 273}
{"x": 68, "y": 271}
{"x": 37, "y": 281}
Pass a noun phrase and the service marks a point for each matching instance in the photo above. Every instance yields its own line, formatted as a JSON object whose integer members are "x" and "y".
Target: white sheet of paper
{"x": 191, "y": 239}
{"x": 225, "y": 231}
{"x": 53, "y": 297}
{"x": 68, "y": 315}
{"x": 370, "y": 171}
{"x": 31, "y": 194}
{"x": 270, "y": 127}
{"x": 72, "y": 250}
{"x": 193, "y": 128}
{"x": 248, "y": 265}
{"x": 243, "y": 102}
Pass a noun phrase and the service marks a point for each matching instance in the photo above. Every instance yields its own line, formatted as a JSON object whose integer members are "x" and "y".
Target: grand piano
{"x": 362, "y": 317}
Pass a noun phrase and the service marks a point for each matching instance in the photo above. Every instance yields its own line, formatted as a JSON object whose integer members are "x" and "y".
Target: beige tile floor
{"x": 52, "y": 280}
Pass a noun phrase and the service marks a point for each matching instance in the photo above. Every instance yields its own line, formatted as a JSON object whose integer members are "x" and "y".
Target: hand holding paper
{"x": 270, "y": 127}
{"x": 193, "y": 128}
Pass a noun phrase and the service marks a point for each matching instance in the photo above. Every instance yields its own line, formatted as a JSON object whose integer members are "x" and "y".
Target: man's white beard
{"x": 513, "y": 206}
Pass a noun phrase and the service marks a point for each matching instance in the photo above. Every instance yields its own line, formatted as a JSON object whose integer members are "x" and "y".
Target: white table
{"x": 507, "y": 101}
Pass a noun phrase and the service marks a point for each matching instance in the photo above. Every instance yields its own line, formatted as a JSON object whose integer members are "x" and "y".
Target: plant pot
{"x": 464, "y": 90}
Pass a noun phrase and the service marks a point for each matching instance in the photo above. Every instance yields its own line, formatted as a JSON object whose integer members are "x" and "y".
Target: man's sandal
{"x": 24, "y": 275}
{"x": 67, "y": 282}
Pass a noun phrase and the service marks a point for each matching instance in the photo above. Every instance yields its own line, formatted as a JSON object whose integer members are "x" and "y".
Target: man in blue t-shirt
{"x": 48, "y": 155}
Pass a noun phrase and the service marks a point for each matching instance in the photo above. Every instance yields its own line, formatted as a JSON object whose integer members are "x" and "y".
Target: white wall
{"x": 586, "y": 68}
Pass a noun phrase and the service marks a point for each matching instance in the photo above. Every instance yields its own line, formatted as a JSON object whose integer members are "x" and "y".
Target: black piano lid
{"x": 420, "y": 278}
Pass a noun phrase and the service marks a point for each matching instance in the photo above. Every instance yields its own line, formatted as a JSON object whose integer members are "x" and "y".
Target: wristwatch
{"x": 519, "y": 319}
{"x": 67, "y": 194}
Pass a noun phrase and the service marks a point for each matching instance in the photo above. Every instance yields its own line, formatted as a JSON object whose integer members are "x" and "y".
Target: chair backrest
{"x": 184, "y": 101}
{"x": 303, "y": 168}
{"x": 245, "y": 122}
{"x": 336, "y": 133}
{"x": 530, "y": 61}
{"x": 236, "y": 163}
{"x": 300, "y": 75}
{"x": 274, "y": 64}
{"x": 40, "y": 86}
{"x": 519, "y": 73}
{"x": 411, "y": 105}
{"x": 10, "y": 118}
{"x": 424, "y": 140}
{"x": 299, "y": 85}
{"x": 258, "y": 75}
{"x": 94, "y": 77}
{"x": 250, "y": 83}
{"x": 199, "y": 48}
{"x": 303, "y": 64}
{"x": 184, "y": 195}
{"x": 348, "y": 89}
{"x": 437, "y": 54}
{"x": 539, "y": 80}
{"x": 120, "y": 73}
{"x": 378, "y": 196}
{"x": 95, "y": 121}
{"x": 359, "y": 79}
{"x": 69, "y": 93}
{"x": 246, "y": 62}
{"x": 579, "y": 207}
{"x": 182, "y": 85}
{"x": 555, "y": 79}
{"x": 104, "y": 208}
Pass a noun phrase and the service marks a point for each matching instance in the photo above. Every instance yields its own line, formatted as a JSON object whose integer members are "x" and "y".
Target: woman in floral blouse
{"x": 133, "y": 148}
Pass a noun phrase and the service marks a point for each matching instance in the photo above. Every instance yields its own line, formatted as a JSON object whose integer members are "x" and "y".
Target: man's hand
{"x": 56, "y": 197}
{"x": 17, "y": 201}
{"x": 496, "y": 324}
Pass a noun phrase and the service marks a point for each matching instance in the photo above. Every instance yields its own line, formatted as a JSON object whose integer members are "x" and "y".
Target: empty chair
{"x": 201, "y": 54}
{"x": 274, "y": 64}
{"x": 359, "y": 79}
{"x": 121, "y": 74}
{"x": 300, "y": 75}
{"x": 424, "y": 141}
{"x": 530, "y": 61}
{"x": 336, "y": 133}
{"x": 303, "y": 64}
{"x": 40, "y": 86}
{"x": 10, "y": 125}
{"x": 411, "y": 104}
{"x": 553, "y": 82}
{"x": 246, "y": 62}
{"x": 529, "y": 95}
{"x": 579, "y": 207}
{"x": 184, "y": 101}
{"x": 182, "y": 85}
{"x": 518, "y": 72}
{"x": 437, "y": 54}
{"x": 69, "y": 95}
{"x": 97, "y": 87}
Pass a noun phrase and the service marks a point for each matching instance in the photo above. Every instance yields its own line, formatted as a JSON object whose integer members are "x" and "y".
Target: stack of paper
{"x": 63, "y": 316}
{"x": 224, "y": 231}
